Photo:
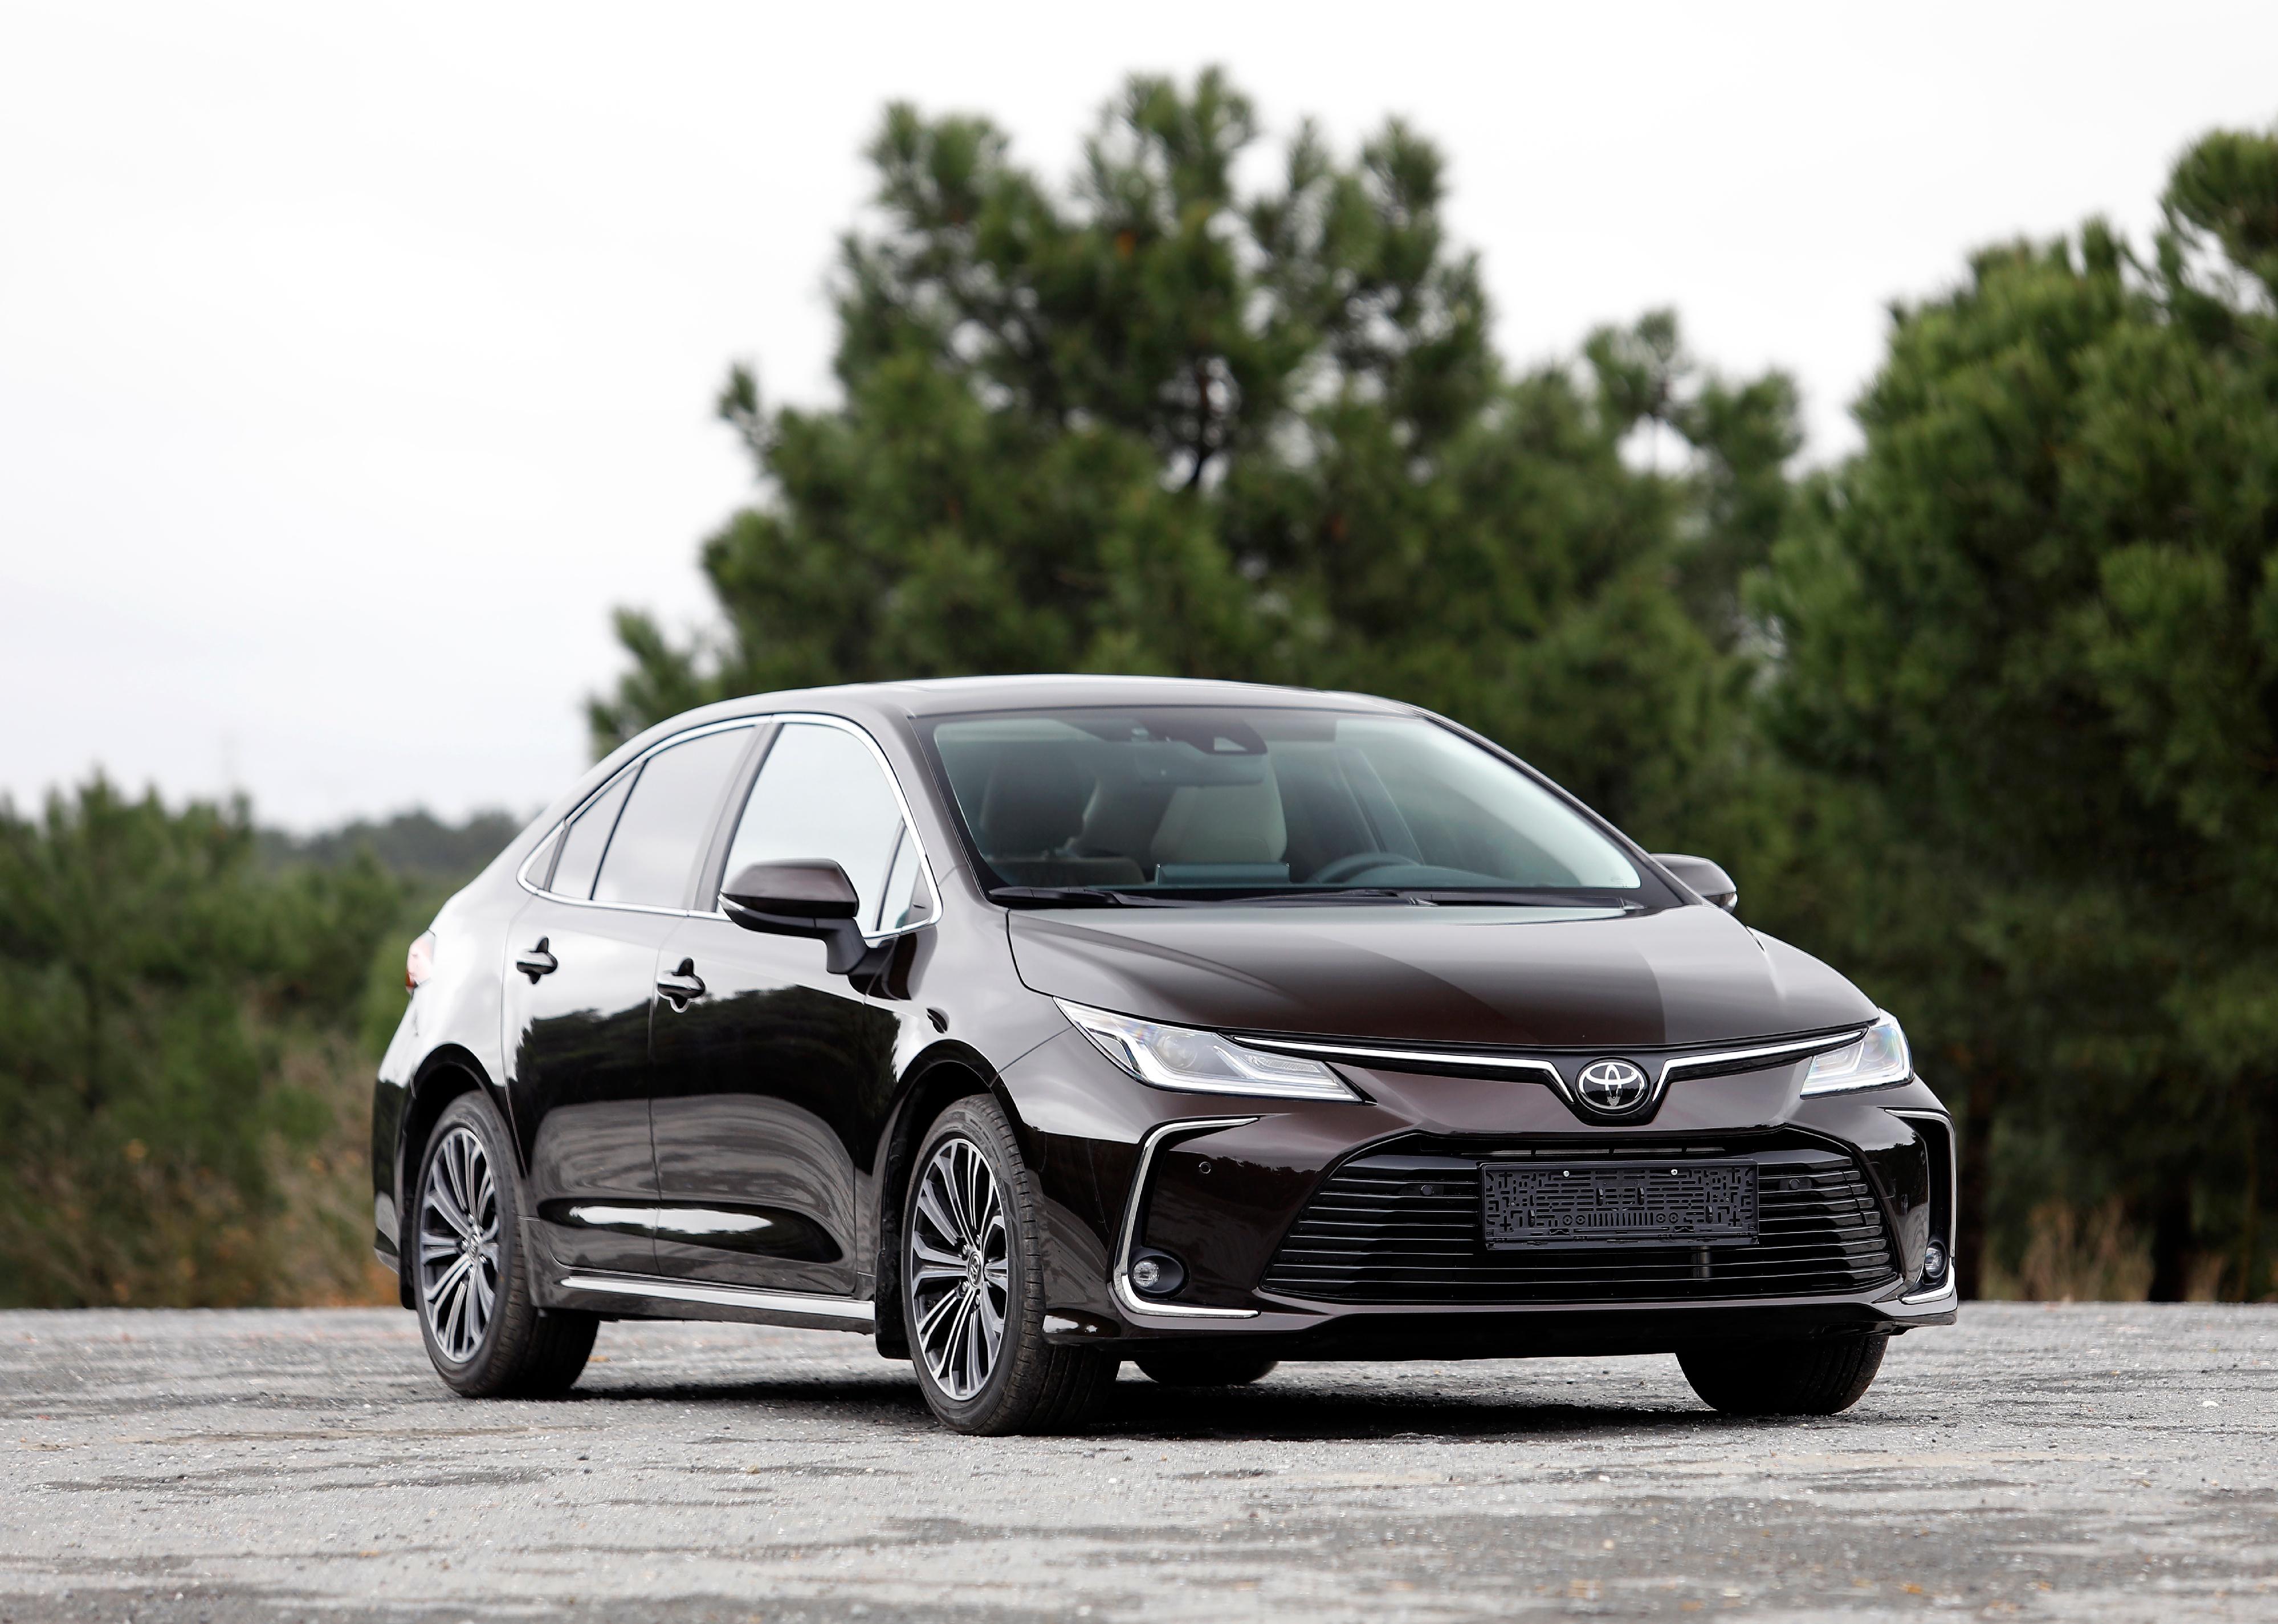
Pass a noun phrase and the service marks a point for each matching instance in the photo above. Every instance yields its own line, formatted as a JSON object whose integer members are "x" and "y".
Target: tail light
{"x": 419, "y": 962}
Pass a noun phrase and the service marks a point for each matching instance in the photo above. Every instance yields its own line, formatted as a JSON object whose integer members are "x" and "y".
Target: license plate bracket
{"x": 1583, "y": 1204}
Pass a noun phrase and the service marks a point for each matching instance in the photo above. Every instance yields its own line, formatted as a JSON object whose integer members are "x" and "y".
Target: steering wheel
{"x": 1353, "y": 866}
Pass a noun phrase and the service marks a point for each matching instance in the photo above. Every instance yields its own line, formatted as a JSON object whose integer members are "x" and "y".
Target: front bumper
{"x": 1223, "y": 1184}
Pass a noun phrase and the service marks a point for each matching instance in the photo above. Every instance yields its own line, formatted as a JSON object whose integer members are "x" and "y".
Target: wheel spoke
{"x": 965, "y": 1357}
{"x": 934, "y": 1333}
{"x": 455, "y": 1175}
{"x": 441, "y": 1203}
{"x": 953, "y": 1197}
{"x": 932, "y": 1206}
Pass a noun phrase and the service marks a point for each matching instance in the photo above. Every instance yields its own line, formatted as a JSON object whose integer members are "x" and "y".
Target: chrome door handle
{"x": 682, "y": 985}
{"x": 536, "y": 961}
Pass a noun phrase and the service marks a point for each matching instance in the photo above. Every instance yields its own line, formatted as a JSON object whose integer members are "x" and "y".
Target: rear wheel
{"x": 1230, "y": 1367}
{"x": 470, "y": 1280}
{"x": 1789, "y": 1378}
{"x": 973, "y": 1289}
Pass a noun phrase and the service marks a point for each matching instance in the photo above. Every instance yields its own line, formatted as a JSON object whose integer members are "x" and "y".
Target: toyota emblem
{"x": 1612, "y": 1086}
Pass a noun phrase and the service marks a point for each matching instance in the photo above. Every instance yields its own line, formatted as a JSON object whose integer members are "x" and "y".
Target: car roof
{"x": 947, "y": 695}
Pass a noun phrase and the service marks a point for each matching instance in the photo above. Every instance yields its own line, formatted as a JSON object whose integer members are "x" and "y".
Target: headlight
{"x": 1202, "y": 1061}
{"x": 1878, "y": 1059}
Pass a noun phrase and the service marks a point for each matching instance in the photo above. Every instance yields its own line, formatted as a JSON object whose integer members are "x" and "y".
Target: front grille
{"x": 1401, "y": 1226}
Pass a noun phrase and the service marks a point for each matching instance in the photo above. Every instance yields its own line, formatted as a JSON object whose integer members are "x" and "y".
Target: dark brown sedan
{"x": 1031, "y": 1024}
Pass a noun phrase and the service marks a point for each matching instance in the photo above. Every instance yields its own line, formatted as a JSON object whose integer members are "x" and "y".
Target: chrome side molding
{"x": 857, "y": 1311}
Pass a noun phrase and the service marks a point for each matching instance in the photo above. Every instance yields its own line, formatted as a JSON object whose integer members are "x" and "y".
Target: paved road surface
{"x": 2077, "y": 1462}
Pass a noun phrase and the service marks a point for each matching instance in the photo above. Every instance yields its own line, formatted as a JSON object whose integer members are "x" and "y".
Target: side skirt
{"x": 655, "y": 1297}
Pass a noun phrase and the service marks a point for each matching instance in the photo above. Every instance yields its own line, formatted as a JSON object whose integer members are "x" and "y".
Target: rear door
{"x": 771, "y": 1085}
{"x": 580, "y": 983}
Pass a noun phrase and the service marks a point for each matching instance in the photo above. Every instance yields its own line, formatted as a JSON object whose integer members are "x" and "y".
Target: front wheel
{"x": 469, "y": 1279}
{"x": 1783, "y": 1378}
{"x": 973, "y": 1285}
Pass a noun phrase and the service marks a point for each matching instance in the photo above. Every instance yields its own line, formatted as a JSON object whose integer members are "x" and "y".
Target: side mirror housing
{"x": 808, "y": 896}
{"x": 1712, "y": 882}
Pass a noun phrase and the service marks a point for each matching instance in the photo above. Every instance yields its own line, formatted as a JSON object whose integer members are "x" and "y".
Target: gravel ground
{"x": 2105, "y": 1461}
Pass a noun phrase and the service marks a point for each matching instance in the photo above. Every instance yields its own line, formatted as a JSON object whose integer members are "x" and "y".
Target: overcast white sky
{"x": 354, "y": 362}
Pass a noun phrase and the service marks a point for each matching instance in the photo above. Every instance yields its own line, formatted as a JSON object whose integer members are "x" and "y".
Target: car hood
{"x": 1561, "y": 978}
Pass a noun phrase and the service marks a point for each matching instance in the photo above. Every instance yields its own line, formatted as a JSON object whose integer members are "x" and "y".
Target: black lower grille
{"x": 1401, "y": 1226}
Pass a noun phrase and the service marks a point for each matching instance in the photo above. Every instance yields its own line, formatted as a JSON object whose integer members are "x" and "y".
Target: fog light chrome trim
{"x": 1127, "y": 1296}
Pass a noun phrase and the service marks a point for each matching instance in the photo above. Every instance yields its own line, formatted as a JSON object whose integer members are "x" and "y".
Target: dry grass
{"x": 2098, "y": 1256}
{"x": 322, "y": 1244}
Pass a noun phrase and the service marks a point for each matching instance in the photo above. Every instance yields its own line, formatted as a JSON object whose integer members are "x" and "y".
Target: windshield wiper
{"x": 1425, "y": 896}
{"x": 1529, "y": 899}
{"x": 1074, "y": 896}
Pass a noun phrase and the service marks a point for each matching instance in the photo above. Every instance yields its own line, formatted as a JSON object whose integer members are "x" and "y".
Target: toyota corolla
{"x": 1031, "y": 1025}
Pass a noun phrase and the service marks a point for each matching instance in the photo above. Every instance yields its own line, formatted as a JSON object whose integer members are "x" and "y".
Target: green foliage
{"x": 170, "y": 1022}
{"x": 2035, "y": 621}
{"x": 1156, "y": 425}
{"x": 413, "y": 845}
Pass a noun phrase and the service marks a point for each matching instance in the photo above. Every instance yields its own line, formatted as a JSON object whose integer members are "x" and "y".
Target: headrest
{"x": 1034, "y": 803}
{"x": 1222, "y": 823}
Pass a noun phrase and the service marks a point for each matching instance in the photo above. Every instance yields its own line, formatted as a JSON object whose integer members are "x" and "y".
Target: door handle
{"x": 536, "y": 961}
{"x": 682, "y": 985}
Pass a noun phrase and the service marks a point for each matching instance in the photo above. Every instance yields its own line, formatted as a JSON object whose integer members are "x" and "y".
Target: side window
{"x": 537, "y": 867}
{"x": 588, "y": 837}
{"x": 821, "y": 794}
{"x": 666, "y": 822}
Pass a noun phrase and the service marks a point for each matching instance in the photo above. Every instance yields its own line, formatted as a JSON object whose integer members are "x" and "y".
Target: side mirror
{"x": 805, "y": 898}
{"x": 1712, "y": 882}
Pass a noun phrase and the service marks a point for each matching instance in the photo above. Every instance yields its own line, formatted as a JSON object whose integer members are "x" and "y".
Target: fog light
{"x": 1158, "y": 1274}
{"x": 1934, "y": 1260}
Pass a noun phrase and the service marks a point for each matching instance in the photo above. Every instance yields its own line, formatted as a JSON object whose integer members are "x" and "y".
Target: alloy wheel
{"x": 459, "y": 1244}
{"x": 960, "y": 1284}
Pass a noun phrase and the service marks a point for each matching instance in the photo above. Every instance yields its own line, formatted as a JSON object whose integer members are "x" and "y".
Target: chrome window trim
{"x": 779, "y": 718}
{"x": 859, "y": 1311}
{"x": 522, "y": 874}
{"x": 1126, "y": 1298}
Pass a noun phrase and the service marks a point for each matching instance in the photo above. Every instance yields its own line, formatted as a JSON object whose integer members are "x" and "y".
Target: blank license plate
{"x": 1700, "y": 1203}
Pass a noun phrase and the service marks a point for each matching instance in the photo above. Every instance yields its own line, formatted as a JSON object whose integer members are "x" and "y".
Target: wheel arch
{"x": 945, "y": 1074}
{"x": 445, "y": 1075}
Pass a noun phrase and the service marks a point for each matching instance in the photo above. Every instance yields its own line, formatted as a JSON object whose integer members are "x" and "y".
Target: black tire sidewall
{"x": 472, "y": 1112}
{"x": 979, "y": 1123}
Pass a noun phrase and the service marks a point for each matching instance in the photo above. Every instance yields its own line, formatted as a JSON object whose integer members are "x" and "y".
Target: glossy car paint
{"x": 783, "y": 1102}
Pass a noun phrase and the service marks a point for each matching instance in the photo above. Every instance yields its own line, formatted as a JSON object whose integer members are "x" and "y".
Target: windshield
{"x": 1206, "y": 803}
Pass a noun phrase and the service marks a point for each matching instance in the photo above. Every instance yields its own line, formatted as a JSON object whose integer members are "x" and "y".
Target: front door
{"x": 771, "y": 1083}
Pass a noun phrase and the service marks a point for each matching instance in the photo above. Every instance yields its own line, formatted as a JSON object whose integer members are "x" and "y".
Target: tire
{"x": 973, "y": 1252}
{"x": 1230, "y": 1367}
{"x": 1786, "y": 1377}
{"x": 506, "y": 1346}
